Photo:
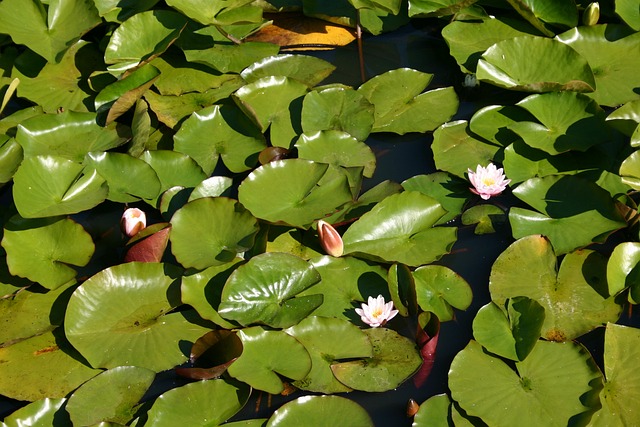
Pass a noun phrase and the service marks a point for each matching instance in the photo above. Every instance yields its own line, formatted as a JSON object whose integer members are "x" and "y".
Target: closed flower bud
{"x": 412, "y": 408}
{"x": 591, "y": 14}
{"x": 330, "y": 239}
{"x": 133, "y": 220}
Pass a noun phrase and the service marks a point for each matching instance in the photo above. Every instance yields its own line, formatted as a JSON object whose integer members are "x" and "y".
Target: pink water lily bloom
{"x": 133, "y": 220}
{"x": 489, "y": 181}
{"x": 377, "y": 312}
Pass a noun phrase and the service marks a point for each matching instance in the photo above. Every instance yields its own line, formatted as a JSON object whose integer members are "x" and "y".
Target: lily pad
{"x": 229, "y": 134}
{"x": 298, "y": 193}
{"x": 401, "y": 229}
{"x": 395, "y": 358}
{"x": 433, "y": 412}
{"x": 42, "y": 412}
{"x": 11, "y": 155}
{"x": 446, "y": 189}
{"x": 439, "y": 289}
{"x": 211, "y": 231}
{"x": 579, "y": 284}
{"x": 174, "y": 169}
{"x": 623, "y": 270}
{"x": 629, "y": 13}
{"x": 542, "y": 15}
{"x": 400, "y": 105}
{"x": 328, "y": 340}
{"x": 216, "y": 186}
{"x": 493, "y": 123}
{"x": 214, "y": 401}
{"x": 306, "y": 69}
{"x": 123, "y": 316}
{"x": 547, "y": 388}
{"x": 507, "y": 64}
{"x": 44, "y": 250}
{"x": 266, "y": 355}
{"x": 320, "y": 411}
{"x": 218, "y": 12}
{"x": 279, "y": 277}
{"x": 486, "y": 218}
{"x": 111, "y": 396}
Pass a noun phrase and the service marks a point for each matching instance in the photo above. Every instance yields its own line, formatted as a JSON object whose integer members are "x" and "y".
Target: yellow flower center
{"x": 376, "y": 312}
{"x": 488, "y": 181}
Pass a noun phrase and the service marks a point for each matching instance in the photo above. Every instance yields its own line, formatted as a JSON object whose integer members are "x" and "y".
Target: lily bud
{"x": 591, "y": 14}
{"x": 412, "y": 408}
{"x": 330, "y": 239}
{"x": 133, "y": 221}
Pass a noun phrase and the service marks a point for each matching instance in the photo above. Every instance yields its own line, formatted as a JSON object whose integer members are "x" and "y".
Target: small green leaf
{"x": 439, "y": 289}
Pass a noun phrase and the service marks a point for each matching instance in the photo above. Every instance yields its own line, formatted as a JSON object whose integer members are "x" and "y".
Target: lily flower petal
{"x": 330, "y": 239}
{"x": 133, "y": 221}
{"x": 488, "y": 182}
{"x": 376, "y": 312}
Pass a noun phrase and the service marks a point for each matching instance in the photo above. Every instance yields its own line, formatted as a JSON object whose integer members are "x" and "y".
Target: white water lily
{"x": 133, "y": 220}
{"x": 489, "y": 181}
{"x": 376, "y": 312}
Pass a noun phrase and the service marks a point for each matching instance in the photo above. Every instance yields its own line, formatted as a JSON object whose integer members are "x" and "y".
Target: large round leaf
{"x": 203, "y": 403}
{"x": 493, "y": 123}
{"x": 573, "y": 212}
{"x": 507, "y": 64}
{"x": 51, "y": 185}
{"x": 450, "y": 192}
{"x": 622, "y": 387}
{"x": 44, "y": 250}
{"x": 123, "y": 316}
{"x": 613, "y": 52}
{"x": 218, "y": 12}
{"x": 42, "y": 366}
{"x": 320, "y": 411}
{"x": 228, "y": 133}
{"x": 345, "y": 283}
{"x": 338, "y": 108}
{"x": 400, "y": 105}
{"x": 395, "y": 358}
{"x": 547, "y": 388}
{"x": 401, "y": 228}
{"x": 41, "y": 412}
{"x": 274, "y": 102}
{"x": 306, "y": 69}
{"x": 579, "y": 286}
{"x": 111, "y": 396}
{"x": 266, "y": 355}
{"x": 211, "y": 231}
{"x": 328, "y": 340}
{"x": 298, "y": 192}
{"x": 264, "y": 291}
{"x": 439, "y": 289}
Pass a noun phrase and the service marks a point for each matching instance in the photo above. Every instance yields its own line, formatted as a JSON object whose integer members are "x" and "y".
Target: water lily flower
{"x": 470, "y": 80}
{"x": 489, "y": 181}
{"x": 330, "y": 239}
{"x": 133, "y": 220}
{"x": 377, "y": 312}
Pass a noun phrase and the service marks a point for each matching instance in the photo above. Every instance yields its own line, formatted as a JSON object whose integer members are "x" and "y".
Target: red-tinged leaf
{"x": 214, "y": 352}
{"x": 208, "y": 341}
{"x": 427, "y": 342}
{"x": 204, "y": 373}
{"x": 149, "y": 244}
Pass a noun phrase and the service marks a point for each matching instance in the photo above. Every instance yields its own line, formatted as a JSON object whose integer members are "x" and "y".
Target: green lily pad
{"x": 401, "y": 229}
{"x": 455, "y": 149}
{"x": 44, "y": 250}
{"x": 50, "y": 30}
{"x": 298, "y": 192}
{"x": 336, "y": 148}
{"x": 42, "y": 366}
{"x": 623, "y": 270}
{"x": 275, "y": 103}
{"x": 579, "y": 284}
{"x": 608, "y": 50}
{"x": 493, "y": 123}
{"x": 266, "y": 355}
{"x": 400, "y": 105}
{"x": 345, "y": 282}
{"x": 395, "y": 358}
{"x": 211, "y": 231}
{"x": 573, "y": 212}
{"x": 69, "y": 134}
{"x": 224, "y": 56}
{"x": 626, "y": 118}
{"x": 440, "y": 289}
{"x": 230, "y": 135}
{"x": 41, "y": 412}
{"x": 58, "y": 85}
{"x": 214, "y": 401}
{"x": 622, "y": 386}
{"x": 216, "y": 186}
{"x": 203, "y": 291}
{"x": 487, "y": 217}
{"x": 320, "y": 411}
{"x": 306, "y": 69}
{"x": 174, "y": 169}
{"x": 402, "y": 289}
{"x": 506, "y": 64}
{"x": 111, "y": 396}
{"x": 547, "y": 387}
{"x": 433, "y": 412}
{"x": 118, "y": 11}
{"x": 218, "y": 12}
{"x": 279, "y": 277}
{"x": 143, "y": 37}
{"x": 447, "y": 190}
{"x": 328, "y": 340}
{"x": 338, "y": 108}
{"x": 568, "y": 121}
{"x": 510, "y": 332}
{"x": 122, "y": 316}
{"x": 11, "y": 155}
{"x": 428, "y": 8}
{"x": 542, "y": 15}
{"x": 629, "y": 13}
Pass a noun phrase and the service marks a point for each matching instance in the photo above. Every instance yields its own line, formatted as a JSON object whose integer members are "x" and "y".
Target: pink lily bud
{"x": 133, "y": 221}
{"x": 330, "y": 239}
